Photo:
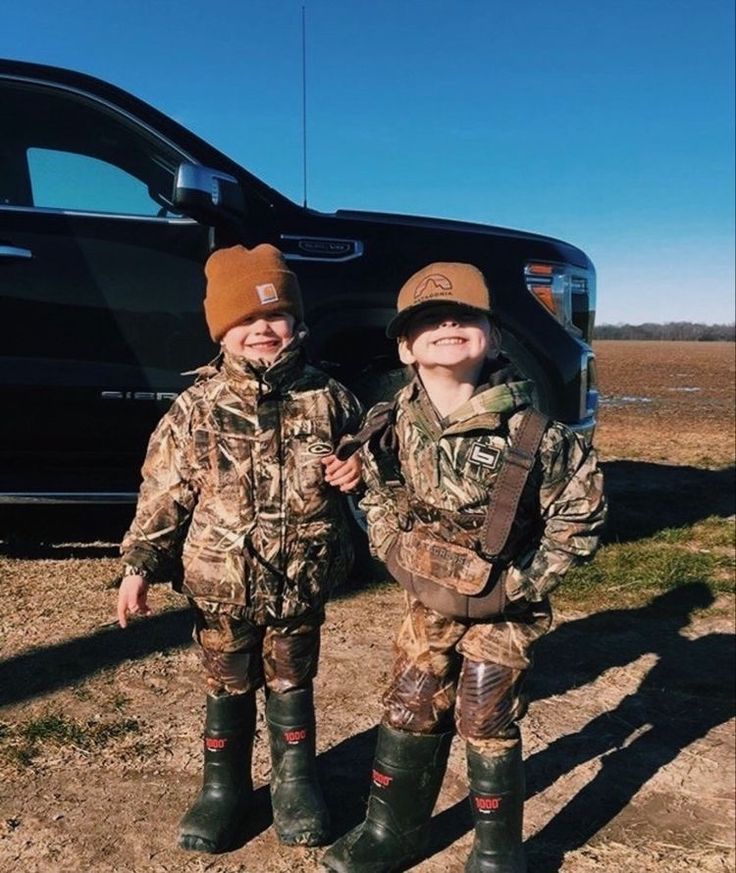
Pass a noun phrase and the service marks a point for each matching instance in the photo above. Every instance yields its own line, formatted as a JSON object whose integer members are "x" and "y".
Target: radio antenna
{"x": 304, "y": 100}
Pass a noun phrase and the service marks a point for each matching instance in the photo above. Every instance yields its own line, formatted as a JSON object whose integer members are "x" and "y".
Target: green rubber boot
{"x": 407, "y": 775}
{"x": 497, "y": 803}
{"x": 212, "y": 822}
{"x": 300, "y": 815}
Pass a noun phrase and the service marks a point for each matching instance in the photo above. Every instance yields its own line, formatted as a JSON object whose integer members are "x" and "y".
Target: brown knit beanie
{"x": 245, "y": 282}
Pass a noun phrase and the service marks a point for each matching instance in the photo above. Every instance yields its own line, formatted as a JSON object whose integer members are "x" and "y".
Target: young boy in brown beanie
{"x": 241, "y": 484}
{"x": 478, "y": 505}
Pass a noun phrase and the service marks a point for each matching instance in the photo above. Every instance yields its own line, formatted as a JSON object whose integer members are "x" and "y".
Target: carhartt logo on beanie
{"x": 462, "y": 284}
{"x": 242, "y": 283}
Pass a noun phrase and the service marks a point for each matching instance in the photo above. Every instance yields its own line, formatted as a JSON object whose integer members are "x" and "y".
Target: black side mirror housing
{"x": 208, "y": 196}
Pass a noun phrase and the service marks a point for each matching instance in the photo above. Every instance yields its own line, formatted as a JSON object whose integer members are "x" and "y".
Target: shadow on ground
{"x": 62, "y": 665}
{"x": 645, "y": 498}
{"x": 685, "y": 694}
{"x": 689, "y": 691}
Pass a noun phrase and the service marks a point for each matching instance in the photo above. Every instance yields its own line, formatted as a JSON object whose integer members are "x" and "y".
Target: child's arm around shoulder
{"x": 380, "y": 501}
{"x": 344, "y": 473}
{"x": 573, "y": 508}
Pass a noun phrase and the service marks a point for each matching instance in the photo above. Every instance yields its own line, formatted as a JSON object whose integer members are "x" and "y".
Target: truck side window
{"x": 67, "y": 151}
{"x": 64, "y": 180}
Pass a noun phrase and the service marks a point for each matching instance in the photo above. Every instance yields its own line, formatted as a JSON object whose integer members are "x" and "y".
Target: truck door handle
{"x": 15, "y": 252}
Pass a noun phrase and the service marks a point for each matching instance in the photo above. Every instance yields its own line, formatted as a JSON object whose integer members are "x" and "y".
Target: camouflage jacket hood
{"x": 450, "y": 467}
{"x": 233, "y": 490}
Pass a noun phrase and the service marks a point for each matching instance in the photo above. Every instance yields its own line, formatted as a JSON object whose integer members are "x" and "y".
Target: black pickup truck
{"x": 108, "y": 210}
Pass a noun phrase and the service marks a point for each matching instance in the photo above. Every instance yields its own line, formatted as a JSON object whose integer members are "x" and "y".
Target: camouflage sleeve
{"x": 166, "y": 500}
{"x": 379, "y": 505}
{"x": 573, "y": 508}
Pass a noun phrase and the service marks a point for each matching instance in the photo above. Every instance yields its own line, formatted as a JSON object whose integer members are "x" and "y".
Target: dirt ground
{"x": 629, "y": 739}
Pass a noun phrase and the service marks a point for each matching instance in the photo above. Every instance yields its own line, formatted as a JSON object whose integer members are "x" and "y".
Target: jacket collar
{"x": 260, "y": 377}
{"x": 500, "y": 391}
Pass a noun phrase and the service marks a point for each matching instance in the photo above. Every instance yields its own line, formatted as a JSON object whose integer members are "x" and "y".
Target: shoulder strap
{"x": 377, "y": 420}
{"x": 512, "y": 477}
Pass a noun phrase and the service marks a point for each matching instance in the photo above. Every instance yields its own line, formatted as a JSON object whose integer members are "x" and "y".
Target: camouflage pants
{"x": 239, "y": 656}
{"x": 475, "y": 668}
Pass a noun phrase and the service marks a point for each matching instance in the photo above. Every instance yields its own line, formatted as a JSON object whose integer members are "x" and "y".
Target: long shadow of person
{"x": 578, "y": 651}
{"x": 687, "y": 693}
{"x": 42, "y": 670}
{"x": 646, "y": 497}
{"x": 346, "y": 775}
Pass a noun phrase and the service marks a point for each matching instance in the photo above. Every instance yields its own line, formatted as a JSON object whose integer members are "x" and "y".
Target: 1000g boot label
{"x": 381, "y": 780}
{"x": 487, "y": 804}
{"x": 294, "y": 736}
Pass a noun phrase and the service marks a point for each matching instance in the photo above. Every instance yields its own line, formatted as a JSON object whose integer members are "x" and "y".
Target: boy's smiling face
{"x": 260, "y": 338}
{"x": 447, "y": 336}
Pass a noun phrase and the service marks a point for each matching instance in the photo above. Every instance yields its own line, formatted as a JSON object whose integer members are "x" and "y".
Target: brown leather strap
{"x": 511, "y": 479}
{"x": 379, "y": 434}
{"x": 381, "y": 417}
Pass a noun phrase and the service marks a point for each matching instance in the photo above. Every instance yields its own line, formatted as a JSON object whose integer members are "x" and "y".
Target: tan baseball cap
{"x": 462, "y": 284}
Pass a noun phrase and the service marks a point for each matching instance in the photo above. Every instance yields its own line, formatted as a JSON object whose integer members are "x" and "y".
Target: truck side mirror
{"x": 208, "y": 196}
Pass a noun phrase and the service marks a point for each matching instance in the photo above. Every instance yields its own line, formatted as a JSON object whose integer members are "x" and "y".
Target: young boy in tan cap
{"x": 241, "y": 485}
{"x": 478, "y": 505}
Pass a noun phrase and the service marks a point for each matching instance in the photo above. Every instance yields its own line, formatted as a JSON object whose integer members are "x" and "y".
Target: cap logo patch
{"x": 434, "y": 285}
{"x": 267, "y": 293}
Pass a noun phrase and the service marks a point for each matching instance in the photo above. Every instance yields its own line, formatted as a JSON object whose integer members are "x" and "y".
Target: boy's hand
{"x": 344, "y": 475}
{"x": 132, "y": 598}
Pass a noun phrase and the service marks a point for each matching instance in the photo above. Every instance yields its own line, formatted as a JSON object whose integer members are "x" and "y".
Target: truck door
{"x": 101, "y": 289}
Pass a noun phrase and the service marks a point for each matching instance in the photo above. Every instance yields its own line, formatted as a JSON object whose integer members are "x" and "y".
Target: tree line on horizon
{"x": 672, "y": 330}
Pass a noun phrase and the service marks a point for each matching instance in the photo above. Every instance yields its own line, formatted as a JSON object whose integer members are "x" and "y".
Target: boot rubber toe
{"x": 211, "y": 826}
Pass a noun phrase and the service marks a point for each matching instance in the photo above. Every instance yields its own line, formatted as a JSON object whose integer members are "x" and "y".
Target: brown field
{"x": 629, "y": 738}
{"x": 667, "y": 401}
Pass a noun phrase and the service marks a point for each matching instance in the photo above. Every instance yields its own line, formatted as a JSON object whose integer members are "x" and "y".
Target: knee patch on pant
{"x": 231, "y": 672}
{"x": 290, "y": 659}
{"x": 417, "y": 701}
{"x": 489, "y": 700}
{"x": 230, "y": 653}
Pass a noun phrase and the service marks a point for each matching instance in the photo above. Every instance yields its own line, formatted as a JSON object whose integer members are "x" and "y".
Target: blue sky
{"x": 609, "y": 125}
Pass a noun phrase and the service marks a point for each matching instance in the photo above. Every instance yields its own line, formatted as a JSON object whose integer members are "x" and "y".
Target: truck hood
{"x": 442, "y": 224}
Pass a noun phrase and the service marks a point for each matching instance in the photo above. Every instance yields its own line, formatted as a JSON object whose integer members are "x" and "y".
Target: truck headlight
{"x": 561, "y": 289}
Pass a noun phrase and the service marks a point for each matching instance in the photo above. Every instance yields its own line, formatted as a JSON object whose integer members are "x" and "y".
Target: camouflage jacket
{"x": 233, "y": 490}
{"x": 452, "y": 465}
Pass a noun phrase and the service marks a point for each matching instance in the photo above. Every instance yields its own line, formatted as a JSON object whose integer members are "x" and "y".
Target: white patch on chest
{"x": 486, "y": 456}
{"x": 320, "y": 449}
